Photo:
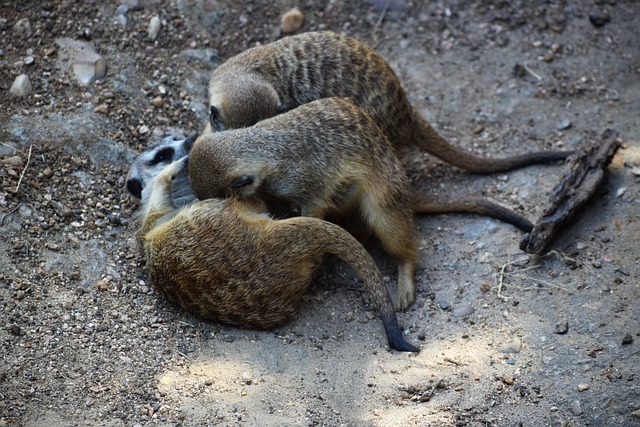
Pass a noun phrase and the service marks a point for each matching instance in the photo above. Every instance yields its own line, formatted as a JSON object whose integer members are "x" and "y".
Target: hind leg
{"x": 393, "y": 224}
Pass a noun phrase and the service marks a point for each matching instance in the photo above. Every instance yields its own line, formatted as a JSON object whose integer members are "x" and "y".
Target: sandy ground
{"x": 85, "y": 339}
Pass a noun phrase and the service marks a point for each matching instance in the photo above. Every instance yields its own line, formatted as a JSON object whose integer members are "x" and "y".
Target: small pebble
{"x": 22, "y": 28}
{"x": 485, "y": 287}
{"x": 564, "y": 125}
{"x": 102, "y": 285}
{"x": 583, "y": 387}
{"x": 292, "y": 21}
{"x": 511, "y": 361}
{"x": 508, "y": 379}
{"x": 463, "y": 310}
{"x": 561, "y": 328}
{"x": 157, "y": 102}
{"x": 21, "y": 86}
{"x": 576, "y": 407}
{"x": 636, "y": 413}
{"x": 102, "y": 109}
{"x": 154, "y": 28}
{"x": 627, "y": 339}
{"x": 559, "y": 421}
{"x": 443, "y": 305}
{"x": 599, "y": 20}
{"x": 513, "y": 346}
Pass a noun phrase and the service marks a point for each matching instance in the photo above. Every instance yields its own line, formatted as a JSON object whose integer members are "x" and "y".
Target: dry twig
{"x": 25, "y": 168}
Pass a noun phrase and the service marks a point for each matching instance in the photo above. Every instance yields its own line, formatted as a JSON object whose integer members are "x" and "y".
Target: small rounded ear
{"x": 214, "y": 119}
{"x": 188, "y": 142}
{"x": 242, "y": 181}
{"x": 283, "y": 108}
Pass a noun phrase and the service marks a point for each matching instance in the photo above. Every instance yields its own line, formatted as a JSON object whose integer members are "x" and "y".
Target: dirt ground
{"x": 85, "y": 339}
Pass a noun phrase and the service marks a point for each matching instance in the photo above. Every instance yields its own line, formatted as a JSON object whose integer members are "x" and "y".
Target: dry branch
{"x": 584, "y": 172}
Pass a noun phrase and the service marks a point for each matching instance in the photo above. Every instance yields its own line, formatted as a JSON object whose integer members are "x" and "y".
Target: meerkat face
{"x": 151, "y": 161}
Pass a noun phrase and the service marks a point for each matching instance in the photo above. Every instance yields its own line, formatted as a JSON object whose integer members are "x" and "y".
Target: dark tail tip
{"x": 394, "y": 334}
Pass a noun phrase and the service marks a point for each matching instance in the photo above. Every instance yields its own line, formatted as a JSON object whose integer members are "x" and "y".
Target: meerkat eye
{"x": 214, "y": 119}
{"x": 162, "y": 156}
{"x": 242, "y": 181}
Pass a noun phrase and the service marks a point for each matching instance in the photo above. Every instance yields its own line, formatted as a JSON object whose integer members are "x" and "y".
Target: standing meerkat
{"x": 328, "y": 158}
{"x": 266, "y": 80}
{"x": 164, "y": 152}
{"x": 225, "y": 260}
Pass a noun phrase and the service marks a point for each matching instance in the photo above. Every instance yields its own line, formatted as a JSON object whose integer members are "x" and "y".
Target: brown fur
{"x": 262, "y": 81}
{"x": 162, "y": 153}
{"x": 327, "y": 158}
{"x": 225, "y": 260}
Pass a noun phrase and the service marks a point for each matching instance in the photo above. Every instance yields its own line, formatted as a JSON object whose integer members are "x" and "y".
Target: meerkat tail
{"x": 334, "y": 239}
{"x": 437, "y": 204}
{"x": 430, "y": 141}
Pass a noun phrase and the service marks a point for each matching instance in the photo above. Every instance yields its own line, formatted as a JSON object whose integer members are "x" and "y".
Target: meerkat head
{"x": 151, "y": 161}
{"x": 240, "y": 101}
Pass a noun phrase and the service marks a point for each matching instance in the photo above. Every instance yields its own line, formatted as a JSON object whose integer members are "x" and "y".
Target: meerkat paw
{"x": 406, "y": 292}
{"x": 179, "y": 166}
{"x": 404, "y": 298}
{"x": 174, "y": 169}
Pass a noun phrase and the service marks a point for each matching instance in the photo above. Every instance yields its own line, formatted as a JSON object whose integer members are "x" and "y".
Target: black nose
{"x": 134, "y": 185}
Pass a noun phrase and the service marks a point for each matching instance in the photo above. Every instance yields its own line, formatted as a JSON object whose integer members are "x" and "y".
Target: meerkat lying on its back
{"x": 327, "y": 158}
{"x": 225, "y": 260}
{"x": 161, "y": 153}
{"x": 266, "y": 80}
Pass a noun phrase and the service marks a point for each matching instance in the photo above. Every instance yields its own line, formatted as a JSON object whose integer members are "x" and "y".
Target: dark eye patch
{"x": 164, "y": 155}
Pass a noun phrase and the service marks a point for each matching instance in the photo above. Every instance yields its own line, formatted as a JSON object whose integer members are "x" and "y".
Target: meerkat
{"x": 164, "y": 152}
{"x": 267, "y": 80}
{"x": 226, "y": 260}
{"x": 327, "y": 157}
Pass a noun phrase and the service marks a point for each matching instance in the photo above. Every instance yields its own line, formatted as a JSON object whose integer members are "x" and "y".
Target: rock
{"x": 583, "y": 387}
{"x": 463, "y": 310}
{"x": 157, "y": 102}
{"x": 82, "y": 59}
{"x": 154, "y": 28}
{"x": 599, "y": 20}
{"x": 513, "y": 346}
{"x": 508, "y": 379}
{"x": 443, "y": 305}
{"x": 133, "y": 4}
{"x": 22, "y": 28}
{"x": 561, "y": 328}
{"x": 102, "y": 285}
{"x": 564, "y": 125}
{"x": 559, "y": 421}
{"x": 102, "y": 108}
{"x": 627, "y": 339}
{"x": 636, "y": 414}
{"x": 576, "y": 407}
{"x": 13, "y": 161}
{"x": 292, "y": 21}
{"x": 21, "y": 86}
